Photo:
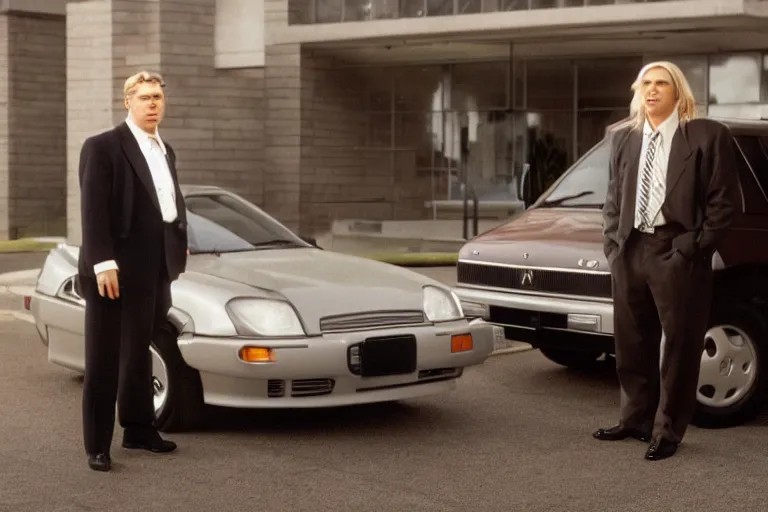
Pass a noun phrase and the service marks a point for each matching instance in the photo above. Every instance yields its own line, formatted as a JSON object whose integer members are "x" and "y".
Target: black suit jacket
{"x": 702, "y": 193}
{"x": 121, "y": 218}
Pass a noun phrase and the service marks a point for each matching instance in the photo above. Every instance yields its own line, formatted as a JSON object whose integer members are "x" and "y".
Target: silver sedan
{"x": 262, "y": 319}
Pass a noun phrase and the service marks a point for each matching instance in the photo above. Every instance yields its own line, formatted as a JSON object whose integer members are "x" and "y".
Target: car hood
{"x": 543, "y": 237}
{"x": 318, "y": 283}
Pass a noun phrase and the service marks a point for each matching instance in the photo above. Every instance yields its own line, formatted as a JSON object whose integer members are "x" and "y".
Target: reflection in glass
{"x": 334, "y": 11}
{"x": 735, "y": 78}
{"x": 328, "y": 11}
{"x": 606, "y": 83}
{"x": 479, "y": 85}
{"x": 223, "y": 223}
{"x": 585, "y": 184}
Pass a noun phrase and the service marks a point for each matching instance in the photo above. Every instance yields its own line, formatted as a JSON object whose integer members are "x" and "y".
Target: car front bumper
{"x": 316, "y": 371}
{"x": 567, "y": 322}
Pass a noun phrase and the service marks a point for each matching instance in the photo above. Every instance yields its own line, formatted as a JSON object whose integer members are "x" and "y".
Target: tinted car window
{"x": 585, "y": 184}
{"x": 752, "y": 150}
{"x": 222, "y": 223}
{"x": 755, "y": 152}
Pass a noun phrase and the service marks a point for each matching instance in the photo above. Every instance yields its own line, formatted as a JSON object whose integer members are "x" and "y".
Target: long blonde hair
{"x": 686, "y": 103}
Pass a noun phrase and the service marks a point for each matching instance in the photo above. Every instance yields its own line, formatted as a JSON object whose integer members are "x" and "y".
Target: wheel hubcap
{"x": 159, "y": 381}
{"x": 728, "y": 366}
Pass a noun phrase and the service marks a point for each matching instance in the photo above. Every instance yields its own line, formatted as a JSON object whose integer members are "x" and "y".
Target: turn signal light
{"x": 461, "y": 342}
{"x": 257, "y": 355}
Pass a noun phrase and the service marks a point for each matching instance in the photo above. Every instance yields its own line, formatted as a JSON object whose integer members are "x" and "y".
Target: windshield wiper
{"x": 559, "y": 202}
{"x": 276, "y": 242}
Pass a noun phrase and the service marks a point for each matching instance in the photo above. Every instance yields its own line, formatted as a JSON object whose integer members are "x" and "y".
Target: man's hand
{"x": 108, "y": 284}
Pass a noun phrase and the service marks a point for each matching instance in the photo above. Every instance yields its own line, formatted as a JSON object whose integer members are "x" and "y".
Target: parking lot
{"x": 515, "y": 435}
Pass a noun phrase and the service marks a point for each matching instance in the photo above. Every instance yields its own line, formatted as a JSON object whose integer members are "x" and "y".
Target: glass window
{"x": 421, "y": 89}
{"x": 756, "y": 155}
{"x": 549, "y": 84}
{"x": 222, "y": 223}
{"x": 585, "y": 184}
{"x": 735, "y": 78}
{"x": 479, "y": 85}
{"x": 754, "y": 200}
{"x": 328, "y": 11}
{"x": 595, "y": 91}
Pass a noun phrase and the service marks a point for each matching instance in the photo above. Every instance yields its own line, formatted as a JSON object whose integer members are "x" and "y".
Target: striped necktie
{"x": 648, "y": 197}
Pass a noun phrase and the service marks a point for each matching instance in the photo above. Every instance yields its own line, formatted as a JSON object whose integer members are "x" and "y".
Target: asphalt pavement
{"x": 513, "y": 436}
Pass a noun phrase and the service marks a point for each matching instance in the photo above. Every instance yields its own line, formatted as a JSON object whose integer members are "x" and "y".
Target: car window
{"x": 222, "y": 223}
{"x": 753, "y": 150}
{"x": 585, "y": 184}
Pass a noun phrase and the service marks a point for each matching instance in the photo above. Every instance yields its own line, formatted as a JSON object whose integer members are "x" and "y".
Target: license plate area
{"x": 387, "y": 355}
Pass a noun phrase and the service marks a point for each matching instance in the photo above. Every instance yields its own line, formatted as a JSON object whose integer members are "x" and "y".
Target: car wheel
{"x": 575, "y": 359}
{"x": 178, "y": 392}
{"x": 732, "y": 378}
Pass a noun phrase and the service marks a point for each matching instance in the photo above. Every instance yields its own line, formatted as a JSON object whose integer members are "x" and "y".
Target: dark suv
{"x": 543, "y": 277}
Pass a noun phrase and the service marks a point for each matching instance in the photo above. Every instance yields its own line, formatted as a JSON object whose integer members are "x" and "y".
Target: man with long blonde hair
{"x": 672, "y": 193}
{"x": 134, "y": 246}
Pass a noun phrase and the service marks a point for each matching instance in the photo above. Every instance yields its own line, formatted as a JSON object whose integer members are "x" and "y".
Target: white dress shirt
{"x": 154, "y": 151}
{"x": 666, "y": 131}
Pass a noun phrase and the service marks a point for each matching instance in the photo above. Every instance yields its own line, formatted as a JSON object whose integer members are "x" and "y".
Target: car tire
{"x": 182, "y": 406}
{"x": 574, "y": 359}
{"x": 741, "y": 323}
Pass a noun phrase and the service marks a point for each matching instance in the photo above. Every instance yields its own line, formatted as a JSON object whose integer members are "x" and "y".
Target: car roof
{"x": 754, "y": 126}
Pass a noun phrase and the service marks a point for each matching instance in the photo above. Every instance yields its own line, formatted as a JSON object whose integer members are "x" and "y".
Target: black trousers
{"x": 118, "y": 364}
{"x": 657, "y": 289}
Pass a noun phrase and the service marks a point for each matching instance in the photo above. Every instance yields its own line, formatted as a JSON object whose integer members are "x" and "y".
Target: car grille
{"x": 370, "y": 320}
{"x": 300, "y": 387}
{"x": 587, "y": 284}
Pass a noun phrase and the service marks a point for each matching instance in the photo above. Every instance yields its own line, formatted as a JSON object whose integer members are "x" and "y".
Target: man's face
{"x": 147, "y": 106}
{"x": 658, "y": 93}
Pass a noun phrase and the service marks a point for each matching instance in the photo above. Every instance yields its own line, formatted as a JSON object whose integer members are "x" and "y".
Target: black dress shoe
{"x": 99, "y": 462}
{"x": 618, "y": 433}
{"x": 661, "y": 449}
{"x": 147, "y": 441}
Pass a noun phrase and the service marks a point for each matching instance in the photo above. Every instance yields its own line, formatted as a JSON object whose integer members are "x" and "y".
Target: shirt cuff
{"x": 104, "y": 266}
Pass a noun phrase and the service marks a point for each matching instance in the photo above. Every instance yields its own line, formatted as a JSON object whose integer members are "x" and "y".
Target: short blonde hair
{"x": 686, "y": 103}
{"x": 141, "y": 77}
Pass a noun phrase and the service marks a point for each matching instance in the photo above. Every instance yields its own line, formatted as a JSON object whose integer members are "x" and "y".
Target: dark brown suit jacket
{"x": 121, "y": 215}
{"x": 702, "y": 195}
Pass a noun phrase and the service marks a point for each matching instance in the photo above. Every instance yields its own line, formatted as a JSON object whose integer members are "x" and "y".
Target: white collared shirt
{"x": 154, "y": 151}
{"x": 666, "y": 131}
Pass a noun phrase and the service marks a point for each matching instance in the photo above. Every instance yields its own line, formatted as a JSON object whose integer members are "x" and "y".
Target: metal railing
{"x": 334, "y": 11}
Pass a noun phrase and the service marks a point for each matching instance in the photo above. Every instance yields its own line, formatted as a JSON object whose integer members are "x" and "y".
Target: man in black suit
{"x": 672, "y": 194}
{"x": 134, "y": 246}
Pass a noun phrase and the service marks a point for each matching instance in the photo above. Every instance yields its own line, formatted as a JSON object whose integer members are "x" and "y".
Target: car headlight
{"x": 441, "y": 305}
{"x": 264, "y": 317}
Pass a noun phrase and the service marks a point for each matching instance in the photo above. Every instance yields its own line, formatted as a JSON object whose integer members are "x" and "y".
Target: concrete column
{"x": 32, "y": 121}
{"x": 215, "y": 117}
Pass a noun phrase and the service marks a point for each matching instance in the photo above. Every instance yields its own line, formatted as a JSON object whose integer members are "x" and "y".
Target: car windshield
{"x": 584, "y": 185}
{"x": 219, "y": 223}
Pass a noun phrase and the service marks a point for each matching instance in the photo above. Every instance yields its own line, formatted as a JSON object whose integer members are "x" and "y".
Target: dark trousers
{"x": 656, "y": 288}
{"x": 118, "y": 365}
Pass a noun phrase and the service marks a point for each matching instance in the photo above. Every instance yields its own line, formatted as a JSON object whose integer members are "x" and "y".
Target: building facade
{"x": 368, "y": 109}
